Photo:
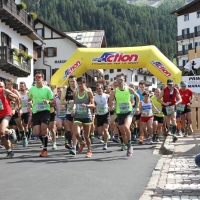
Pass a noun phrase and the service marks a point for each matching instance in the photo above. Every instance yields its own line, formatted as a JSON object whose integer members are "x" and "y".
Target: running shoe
{"x": 190, "y": 130}
{"x": 25, "y": 142}
{"x": 108, "y": 136}
{"x": 89, "y": 154}
{"x": 92, "y": 138}
{"x": 54, "y": 146}
{"x": 133, "y": 138}
{"x": 80, "y": 149}
{"x": 146, "y": 141}
{"x": 150, "y": 140}
{"x": 105, "y": 147}
{"x": 49, "y": 138}
{"x": 67, "y": 146}
{"x": 154, "y": 137}
{"x": 123, "y": 147}
{"x": 180, "y": 133}
{"x": 10, "y": 154}
{"x": 116, "y": 139}
{"x": 174, "y": 138}
{"x": 1, "y": 146}
{"x": 13, "y": 136}
{"x": 141, "y": 141}
{"x": 129, "y": 150}
{"x": 73, "y": 151}
{"x": 43, "y": 153}
{"x": 62, "y": 134}
{"x": 157, "y": 139}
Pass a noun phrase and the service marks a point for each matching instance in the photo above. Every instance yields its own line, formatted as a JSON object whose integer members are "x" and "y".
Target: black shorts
{"x": 83, "y": 120}
{"x": 116, "y": 119}
{"x": 160, "y": 120}
{"x": 52, "y": 117}
{"x": 5, "y": 118}
{"x": 41, "y": 117}
{"x": 165, "y": 112}
{"x": 69, "y": 117}
{"x": 112, "y": 112}
{"x": 186, "y": 110}
{"x": 103, "y": 119}
{"x": 121, "y": 117}
{"x": 12, "y": 122}
{"x": 137, "y": 117}
{"x": 25, "y": 117}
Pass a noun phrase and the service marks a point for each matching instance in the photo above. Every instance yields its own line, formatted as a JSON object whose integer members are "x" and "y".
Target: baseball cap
{"x": 170, "y": 82}
{"x": 183, "y": 84}
{"x": 131, "y": 83}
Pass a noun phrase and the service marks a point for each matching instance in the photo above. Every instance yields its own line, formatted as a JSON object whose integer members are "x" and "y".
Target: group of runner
{"x": 118, "y": 112}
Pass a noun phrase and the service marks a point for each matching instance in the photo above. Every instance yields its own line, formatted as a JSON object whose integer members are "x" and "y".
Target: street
{"x": 107, "y": 175}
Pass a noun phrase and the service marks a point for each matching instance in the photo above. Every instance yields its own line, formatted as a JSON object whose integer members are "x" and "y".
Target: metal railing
{"x": 20, "y": 14}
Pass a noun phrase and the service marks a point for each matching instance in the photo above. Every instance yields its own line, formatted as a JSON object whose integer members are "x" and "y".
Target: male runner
{"x": 170, "y": 98}
{"x": 103, "y": 114}
{"x": 41, "y": 96}
{"x": 122, "y": 96}
{"x": 5, "y": 116}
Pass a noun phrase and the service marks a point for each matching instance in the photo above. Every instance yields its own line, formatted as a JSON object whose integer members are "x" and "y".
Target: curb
{"x": 167, "y": 148}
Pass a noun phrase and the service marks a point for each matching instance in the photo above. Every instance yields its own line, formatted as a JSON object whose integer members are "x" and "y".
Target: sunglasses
{"x": 183, "y": 85}
{"x": 38, "y": 76}
{"x": 170, "y": 84}
{"x": 119, "y": 80}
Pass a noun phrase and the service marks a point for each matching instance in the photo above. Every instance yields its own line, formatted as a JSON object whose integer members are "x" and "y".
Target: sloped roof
{"x": 91, "y": 38}
{"x": 39, "y": 20}
{"x": 191, "y": 7}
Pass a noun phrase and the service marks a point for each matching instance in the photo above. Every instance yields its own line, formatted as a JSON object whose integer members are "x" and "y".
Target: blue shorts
{"x": 178, "y": 115}
{"x": 62, "y": 118}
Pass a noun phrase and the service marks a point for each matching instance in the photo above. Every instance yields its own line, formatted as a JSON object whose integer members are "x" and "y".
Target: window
{"x": 198, "y": 14}
{"x": 111, "y": 70}
{"x": 40, "y": 32}
{"x": 111, "y": 79}
{"x": 39, "y": 51}
{"x": 153, "y": 80}
{"x": 186, "y": 17}
{"x": 23, "y": 48}
{"x": 186, "y": 47}
{"x": 145, "y": 78}
{"x": 54, "y": 71}
{"x": 106, "y": 77}
{"x": 185, "y": 31}
{"x": 5, "y": 40}
{"x": 136, "y": 78}
{"x": 119, "y": 70}
{"x": 50, "y": 52}
{"x": 198, "y": 28}
{"x": 79, "y": 37}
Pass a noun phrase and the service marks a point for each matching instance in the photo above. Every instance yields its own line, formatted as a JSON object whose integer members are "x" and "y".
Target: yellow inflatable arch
{"x": 148, "y": 57}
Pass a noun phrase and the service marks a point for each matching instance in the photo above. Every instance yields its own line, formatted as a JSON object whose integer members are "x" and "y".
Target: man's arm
{"x": 91, "y": 99}
{"x": 160, "y": 97}
{"x": 8, "y": 93}
{"x": 178, "y": 98}
{"x": 136, "y": 96}
{"x": 111, "y": 100}
{"x": 63, "y": 95}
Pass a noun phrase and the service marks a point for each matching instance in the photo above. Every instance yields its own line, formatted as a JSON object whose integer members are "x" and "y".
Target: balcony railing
{"x": 18, "y": 19}
{"x": 13, "y": 64}
{"x": 180, "y": 53}
{"x": 197, "y": 34}
{"x": 144, "y": 72}
{"x": 188, "y": 36}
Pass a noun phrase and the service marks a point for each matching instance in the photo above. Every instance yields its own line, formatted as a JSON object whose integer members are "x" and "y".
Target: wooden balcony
{"x": 144, "y": 72}
{"x": 181, "y": 53}
{"x": 185, "y": 36}
{"x": 18, "y": 19}
{"x": 12, "y": 64}
{"x": 197, "y": 34}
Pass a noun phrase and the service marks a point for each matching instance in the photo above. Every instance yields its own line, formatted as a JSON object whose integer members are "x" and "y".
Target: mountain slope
{"x": 124, "y": 24}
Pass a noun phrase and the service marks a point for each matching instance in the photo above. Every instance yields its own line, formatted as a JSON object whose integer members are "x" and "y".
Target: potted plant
{"x": 21, "y": 53}
{"x": 102, "y": 81}
{"x": 15, "y": 51}
{"x": 28, "y": 57}
{"x": 33, "y": 15}
{"x": 22, "y": 5}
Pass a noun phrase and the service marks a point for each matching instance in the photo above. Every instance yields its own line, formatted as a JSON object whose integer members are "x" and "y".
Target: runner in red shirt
{"x": 5, "y": 116}
{"x": 184, "y": 108}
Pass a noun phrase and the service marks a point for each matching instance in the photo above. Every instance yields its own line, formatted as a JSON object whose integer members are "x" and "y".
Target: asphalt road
{"x": 108, "y": 175}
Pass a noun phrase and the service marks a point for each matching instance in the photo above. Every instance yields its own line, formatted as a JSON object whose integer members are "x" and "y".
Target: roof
{"x": 191, "y": 7}
{"x": 39, "y": 20}
{"x": 91, "y": 38}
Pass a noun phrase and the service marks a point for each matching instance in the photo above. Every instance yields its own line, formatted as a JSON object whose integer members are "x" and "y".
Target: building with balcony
{"x": 17, "y": 34}
{"x": 58, "y": 48}
{"x": 188, "y": 33}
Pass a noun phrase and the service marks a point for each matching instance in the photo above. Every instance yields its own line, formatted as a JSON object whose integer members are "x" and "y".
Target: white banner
{"x": 192, "y": 82}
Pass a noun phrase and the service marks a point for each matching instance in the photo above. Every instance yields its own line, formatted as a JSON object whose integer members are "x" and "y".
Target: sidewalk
{"x": 176, "y": 176}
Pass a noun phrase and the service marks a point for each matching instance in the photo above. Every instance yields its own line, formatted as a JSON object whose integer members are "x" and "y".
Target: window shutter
{"x": 20, "y": 47}
{"x": 2, "y": 38}
{"x": 182, "y": 32}
{"x": 10, "y": 42}
{"x": 183, "y": 47}
{"x": 55, "y": 52}
{"x": 190, "y": 46}
{"x": 45, "y": 52}
{"x": 195, "y": 29}
{"x": 188, "y": 31}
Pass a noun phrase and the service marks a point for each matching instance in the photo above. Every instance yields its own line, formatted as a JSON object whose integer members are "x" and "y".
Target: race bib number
{"x": 181, "y": 107}
{"x": 146, "y": 113}
{"x": 101, "y": 109}
{"x": 81, "y": 110}
{"x": 156, "y": 112}
{"x": 24, "y": 103}
{"x": 1, "y": 105}
{"x": 170, "y": 110}
{"x": 124, "y": 107}
{"x": 62, "y": 113}
{"x": 69, "y": 108}
{"x": 40, "y": 106}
